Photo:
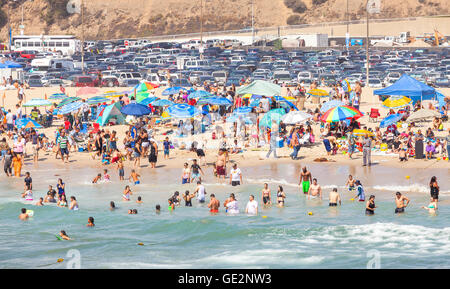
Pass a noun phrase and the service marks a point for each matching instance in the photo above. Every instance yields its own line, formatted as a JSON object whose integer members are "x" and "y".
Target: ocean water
{"x": 190, "y": 237}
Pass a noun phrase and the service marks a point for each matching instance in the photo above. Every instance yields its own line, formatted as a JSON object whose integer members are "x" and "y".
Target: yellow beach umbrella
{"x": 290, "y": 98}
{"x": 318, "y": 92}
{"x": 396, "y": 102}
{"x": 362, "y": 132}
{"x": 165, "y": 115}
{"x": 248, "y": 95}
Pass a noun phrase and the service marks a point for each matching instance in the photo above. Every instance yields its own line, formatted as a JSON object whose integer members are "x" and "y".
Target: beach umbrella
{"x": 148, "y": 100}
{"x": 288, "y": 105}
{"x": 346, "y": 85}
{"x": 172, "y": 90}
{"x": 97, "y": 99}
{"x": 260, "y": 87}
{"x": 362, "y": 132}
{"x": 272, "y": 115}
{"x": 141, "y": 96}
{"x": 57, "y": 96}
{"x": 199, "y": 94}
{"x": 396, "y": 101}
{"x": 183, "y": 111}
{"x": 330, "y": 104}
{"x": 112, "y": 94}
{"x": 318, "y": 93}
{"x": 243, "y": 110}
{"x": 162, "y": 102}
{"x": 165, "y": 115}
{"x": 391, "y": 119}
{"x": 423, "y": 115}
{"x": 37, "y": 102}
{"x": 339, "y": 113}
{"x": 87, "y": 90}
{"x": 27, "y": 123}
{"x": 254, "y": 96}
{"x": 70, "y": 107}
{"x": 256, "y": 102}
{"x": 215, "y": 101}
{"x": 236, "y": 118}
{"x": 295, "y": 117}
{"x": 68, "y": 100}
{"x": 135, "y": 109}
{"x": 144, "y": 86}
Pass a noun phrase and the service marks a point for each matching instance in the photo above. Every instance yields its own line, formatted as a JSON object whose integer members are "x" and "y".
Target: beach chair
{"x": 374, "y": 114}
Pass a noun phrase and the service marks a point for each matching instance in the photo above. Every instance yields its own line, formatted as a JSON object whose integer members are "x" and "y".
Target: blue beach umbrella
{"x": 135, "y": 109}
{"x": 162, "y": 102}
{"x": 330, "y": 104}
{"x": 172, "y": 90}
{"x": 71, "y": 107}
{"x": 97, "y": 99}
{"x": 199, "y": 93}
{"x": 148, "y": 100}
{"x": 235, "y": 118}
{"x": 27, "y": 123}
{"x": 242, "y": 110}
{"x": 57, "y": 96}
{"x": 391, "y": 119}
{"x": 183, "y": 111}
{"x": 215, "y": 101}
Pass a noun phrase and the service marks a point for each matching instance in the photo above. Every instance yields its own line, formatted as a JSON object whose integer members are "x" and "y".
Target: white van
{"x": 196, "y": 63}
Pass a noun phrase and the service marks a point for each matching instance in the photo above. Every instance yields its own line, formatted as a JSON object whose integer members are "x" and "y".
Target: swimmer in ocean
{"x": 28, "y": 195}
{"x": 280, "y": 197}
{"x": 40, "y": 202}
{"x": 63, "y": 235}
{"x": 314, "y": 190}
{"x": 158, "y": 209}
{"x": 23, "y": 216}
{"x": 400, "y": 203}
{"x": 90, "y": 222}
{"x": 350, "y": 183}
{"x": 171, "y": 206}
{"x": 112, "y": 206}
{"x": 214, "y": 204}
{"x": 135, "y": 177}
{"x": 97, "y": 178}
{"x": 126, "y": 193}
{"x": 334, "y": 198}
{"x": 139, "y": 200}
{"x": 73, "y": 204}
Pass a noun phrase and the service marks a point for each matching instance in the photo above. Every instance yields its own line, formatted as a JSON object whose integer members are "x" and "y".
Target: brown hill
{"x": 107, "y": 19}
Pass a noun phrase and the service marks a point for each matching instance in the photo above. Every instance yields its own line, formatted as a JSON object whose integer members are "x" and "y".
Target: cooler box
{"x": 280, "y": 142}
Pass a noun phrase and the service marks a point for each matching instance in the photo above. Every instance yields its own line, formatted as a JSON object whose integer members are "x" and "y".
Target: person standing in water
{"x": 350, "y": 183}
{"x": 235, "y": 176}
{"x": 305, "y": 180}
{"x": 432, "y": 206}
{"x": 280, "y": 197}
{"x": 232, "y": 205}
{"x": 265, "y": 196}
{"x": 252, "y": 206}
{"x": 201, "y": 192}
{"x": 315, "y": 190}
{"x": 360, "y": 191}
{"x": 400, "y": 203}
{"x": 214, "y": 204}
{"x": 370, "y": 206}
{"x": 334, "y": 198}
{"x": 434, "y": 189}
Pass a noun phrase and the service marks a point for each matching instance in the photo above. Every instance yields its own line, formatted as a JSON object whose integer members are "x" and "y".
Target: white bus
{"x": 64, "y": 44}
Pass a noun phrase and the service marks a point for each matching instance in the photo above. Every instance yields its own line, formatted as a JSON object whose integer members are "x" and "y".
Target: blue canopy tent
{"x": 410, "y": 87}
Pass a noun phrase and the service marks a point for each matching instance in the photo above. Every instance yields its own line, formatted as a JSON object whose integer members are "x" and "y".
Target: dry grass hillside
{"x": 134, "y": 18}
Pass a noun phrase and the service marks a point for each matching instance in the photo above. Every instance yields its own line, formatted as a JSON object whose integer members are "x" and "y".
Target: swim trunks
{"x": 333, "y": 204}
{"x": 399, "y": 210}
{"x": 137, "y": 182}
{"x": 121, "y": 173}
{"x": 184, "y": 181}
{"x": 235, "y": 183}
{"x": 220, "y": 170}
{"x": 214, "y": 211}
{"x": 305, "y": 186}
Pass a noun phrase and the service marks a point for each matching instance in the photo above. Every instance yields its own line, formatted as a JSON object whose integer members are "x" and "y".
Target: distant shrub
{"x": 296, "y": 5}
{"x": 294, "y": 20}
{"x": 318, "y": 2}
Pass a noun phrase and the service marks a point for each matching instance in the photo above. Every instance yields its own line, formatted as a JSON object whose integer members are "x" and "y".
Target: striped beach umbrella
{"x": 68, "y": 100}
{"x": 339, "y": 113}
{"x": 199, "y": 94}
{"x": 37, "y": 102}
{"x": 215, "y": 101}
{"x": 242, "y": 110}
{"x": 183, "y": 111}
{"x": 97, "y": 99}
{"x": 396, "y": 101}
{"x": 172, "y": 90}
{"x": 70, "y": 107}
{"x": 57, "y": 96}
{"x": 148, "y": 100}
